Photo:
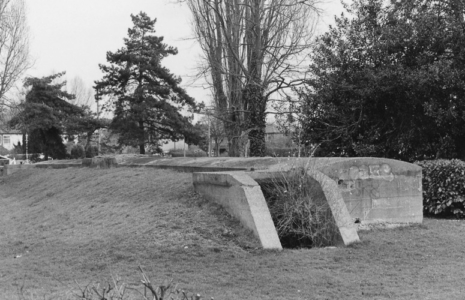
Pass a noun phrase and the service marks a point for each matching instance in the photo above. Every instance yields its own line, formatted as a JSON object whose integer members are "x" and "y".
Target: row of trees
{"x": 386, "y": 81}
{"x": 144, "y": 98}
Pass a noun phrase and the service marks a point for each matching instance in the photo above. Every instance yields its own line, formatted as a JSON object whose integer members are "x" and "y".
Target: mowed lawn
{"x": 60, "y": 228}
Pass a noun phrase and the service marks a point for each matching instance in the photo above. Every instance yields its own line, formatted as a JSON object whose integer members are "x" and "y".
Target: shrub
{"x": 4, "y": 151}
{"x": 91, "y": 151}
{"x": 77, "y": 151}
{"x": 189, "y": 153}
{"x": 299, "y": 209}
{"x": 443, "y": 187}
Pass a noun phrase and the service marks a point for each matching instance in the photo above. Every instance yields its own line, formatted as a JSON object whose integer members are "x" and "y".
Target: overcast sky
{"x": 74, "y": 35}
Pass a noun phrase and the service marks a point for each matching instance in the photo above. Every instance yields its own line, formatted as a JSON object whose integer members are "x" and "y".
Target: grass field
{"x": 85, "y": 225}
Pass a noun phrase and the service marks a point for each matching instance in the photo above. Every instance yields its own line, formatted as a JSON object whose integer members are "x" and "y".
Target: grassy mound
{"x": 85, "y": 225}
{"x": 80, "y": 223}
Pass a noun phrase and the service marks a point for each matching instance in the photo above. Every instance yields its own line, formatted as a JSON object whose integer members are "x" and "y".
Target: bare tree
{"x": 83, "y": 93}
{"x": 253, "y": 49}
{"x": 214, "y": 131}
{"x": 14, "y": 46}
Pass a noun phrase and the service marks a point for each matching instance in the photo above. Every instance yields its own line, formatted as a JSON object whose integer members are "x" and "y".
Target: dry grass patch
{"x": 87, "y": 224}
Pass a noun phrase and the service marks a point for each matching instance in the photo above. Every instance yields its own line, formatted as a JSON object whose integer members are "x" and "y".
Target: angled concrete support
{"x": 341, "y": 215}
{"x": 242, "y": 197}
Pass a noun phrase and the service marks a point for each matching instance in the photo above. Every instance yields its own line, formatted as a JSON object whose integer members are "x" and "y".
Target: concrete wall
{"x": 379, "y": 190}
{"x": 242, "y": 197}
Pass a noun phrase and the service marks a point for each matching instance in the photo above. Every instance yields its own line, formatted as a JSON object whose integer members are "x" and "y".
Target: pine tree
{"x": 45, "y": 114}
{"x": 147, "y": 98}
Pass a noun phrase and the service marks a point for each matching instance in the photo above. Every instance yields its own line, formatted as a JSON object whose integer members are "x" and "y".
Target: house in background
{"x": 274, "y": 138}
{"x": 9, "y": 138}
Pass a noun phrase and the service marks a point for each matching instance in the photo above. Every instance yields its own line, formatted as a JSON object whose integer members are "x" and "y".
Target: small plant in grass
{"x": 299, "y": 209}
{"x": 443, "y": 187}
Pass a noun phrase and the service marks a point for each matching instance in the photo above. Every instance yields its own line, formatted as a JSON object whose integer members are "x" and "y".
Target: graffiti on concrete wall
{"x": 383, "y": 172}
{"x": 365, "y": 181}
{"x": 378, "y": 191}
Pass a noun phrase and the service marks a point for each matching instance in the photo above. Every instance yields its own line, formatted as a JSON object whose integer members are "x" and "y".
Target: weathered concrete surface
{"x": 233, "y": 163}
{"x": 379, "y": 190}
{"x": 242, "y": 197}
{"x": 341, "y": 215}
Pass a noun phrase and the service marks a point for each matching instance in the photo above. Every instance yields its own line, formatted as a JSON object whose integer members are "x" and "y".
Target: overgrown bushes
{"x": 299, "y": 209}
{"x": 91, "y": 151}
{"x": 443, "y": 187}
{"x": 78, "y": 151}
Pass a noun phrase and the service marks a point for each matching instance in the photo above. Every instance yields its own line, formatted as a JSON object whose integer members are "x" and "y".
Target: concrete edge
{"x": 185, "y": 168}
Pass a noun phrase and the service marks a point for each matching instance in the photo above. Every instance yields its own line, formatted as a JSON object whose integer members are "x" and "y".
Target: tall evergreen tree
{"x": 389, "y": 82}
{"x": 147, "y": 98}
{"x": 45, "y": 115}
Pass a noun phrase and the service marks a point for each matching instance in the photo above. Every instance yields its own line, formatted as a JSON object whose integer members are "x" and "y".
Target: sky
{"x": 75, "y": 35}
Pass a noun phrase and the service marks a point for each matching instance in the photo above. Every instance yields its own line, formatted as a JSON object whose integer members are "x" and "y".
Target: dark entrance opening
{"x": 300, "y": 212}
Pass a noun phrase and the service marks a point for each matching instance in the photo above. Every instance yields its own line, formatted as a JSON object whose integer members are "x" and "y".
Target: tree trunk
{"x": 88, "y": 139}
{"x": 235, "y": 137}
{"x": 253, "y": 94}
{"x": 257, "y": 119}
{"x": 44, "y": 141}
{"x": 142, "y": 139}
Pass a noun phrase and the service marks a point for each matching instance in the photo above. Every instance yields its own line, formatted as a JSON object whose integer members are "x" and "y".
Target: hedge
{"x": 443, "y": 187}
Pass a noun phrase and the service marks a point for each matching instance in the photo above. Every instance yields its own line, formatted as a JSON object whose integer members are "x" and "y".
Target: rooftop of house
{"x": 6, "y": 130}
